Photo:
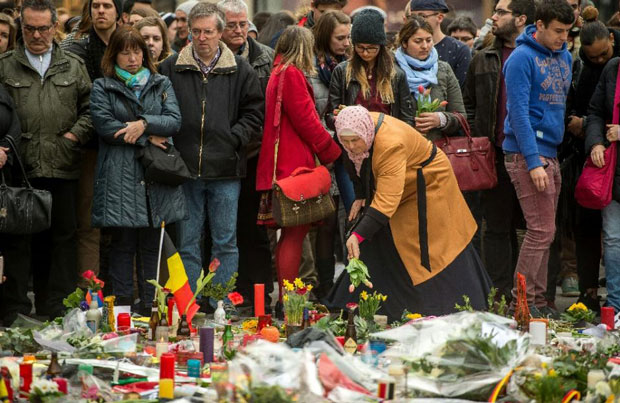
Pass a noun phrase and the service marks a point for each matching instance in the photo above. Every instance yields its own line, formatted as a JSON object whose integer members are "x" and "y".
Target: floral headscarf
{"x": 357, "y": 119}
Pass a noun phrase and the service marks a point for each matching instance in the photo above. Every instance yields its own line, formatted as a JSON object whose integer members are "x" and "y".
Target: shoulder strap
{"x": 616, "y": 112}
{"x": 17, "y": 158}
{"x": 379, "y": 123}
{"x": 277, "y": 118}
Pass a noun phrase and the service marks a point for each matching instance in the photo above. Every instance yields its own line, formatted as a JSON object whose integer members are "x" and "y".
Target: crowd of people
{"x": 247, "y": 102}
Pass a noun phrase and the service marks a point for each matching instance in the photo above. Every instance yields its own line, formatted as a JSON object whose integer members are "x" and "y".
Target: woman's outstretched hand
{"x": 355, "y": 208}
{"x": 353, "y": 247}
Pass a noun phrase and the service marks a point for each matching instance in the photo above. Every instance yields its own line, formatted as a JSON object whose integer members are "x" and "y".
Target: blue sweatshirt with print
{"x": 537, "y": 82}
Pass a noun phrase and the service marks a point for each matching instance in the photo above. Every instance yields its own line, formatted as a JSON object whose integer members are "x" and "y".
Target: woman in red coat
{"x": 302, "y": 137}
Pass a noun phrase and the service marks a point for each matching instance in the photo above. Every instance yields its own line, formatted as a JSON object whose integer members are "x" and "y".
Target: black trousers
{"x": 502, "y": 212}
{"x": 252, "y": 240}
{"x": 51, "y": 257}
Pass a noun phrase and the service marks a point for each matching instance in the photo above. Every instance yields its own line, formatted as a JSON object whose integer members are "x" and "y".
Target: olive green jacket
{"x": 49, "y": 107}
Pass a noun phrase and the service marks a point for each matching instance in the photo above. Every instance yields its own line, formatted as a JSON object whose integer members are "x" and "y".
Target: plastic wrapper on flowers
{"x": 461, "y": 355}
{"x": 267, "y": 364}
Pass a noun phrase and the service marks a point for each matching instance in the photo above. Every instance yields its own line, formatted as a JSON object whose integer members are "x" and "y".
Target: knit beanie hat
{"x": 187, "y": 6}
{"x": 118, "y": 5}
{"x": 368, "y": 27}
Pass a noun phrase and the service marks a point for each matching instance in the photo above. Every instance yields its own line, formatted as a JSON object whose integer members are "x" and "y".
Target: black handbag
{"x": 165, "y": 167}
{"x": 23, "y": 210}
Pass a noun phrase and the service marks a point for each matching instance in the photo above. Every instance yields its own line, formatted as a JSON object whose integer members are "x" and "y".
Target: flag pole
{"x": 161, "y": 245}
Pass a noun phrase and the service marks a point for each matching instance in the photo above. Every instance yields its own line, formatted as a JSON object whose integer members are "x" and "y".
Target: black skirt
{"x": 437, "y": 296}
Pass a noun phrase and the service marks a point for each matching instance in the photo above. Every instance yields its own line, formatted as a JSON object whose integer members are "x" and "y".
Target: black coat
{"x": 221, "y": 112}
{"x": 9, "y": 123}
{"x": 600, "y": 114}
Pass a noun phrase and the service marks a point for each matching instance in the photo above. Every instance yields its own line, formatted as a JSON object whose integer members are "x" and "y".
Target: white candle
{"x": 595, "y": 376}
{"x": 538, "y": 333}
{"x": 161, "y": 347}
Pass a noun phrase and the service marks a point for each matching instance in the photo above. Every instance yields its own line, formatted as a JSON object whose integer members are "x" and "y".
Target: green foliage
{"x": 160, "y": 294}
{"x": 19, "y": 340}
{"x": 74, "y": 299}
{"x": 269, "y": 394}
{"x": 201, "y": 283}
{"x": 497, "y": 307}
{"x": 220, "y": 291}
{"x": 337, "y": 326}
{"x": 546, "y": 387}
{"x": 358, "y": 273}
{"x": 466, "y": 307}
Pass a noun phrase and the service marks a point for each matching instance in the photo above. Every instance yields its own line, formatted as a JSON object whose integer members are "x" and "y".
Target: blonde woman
{"x": 301, "y": 137}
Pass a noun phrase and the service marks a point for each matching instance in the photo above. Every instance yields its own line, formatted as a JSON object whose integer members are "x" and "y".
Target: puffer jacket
{"x": 342, "y": 94}
{"x": 121, "y": 197}
{"x": 47, "y": 109}
{"x": 222, "y": 112}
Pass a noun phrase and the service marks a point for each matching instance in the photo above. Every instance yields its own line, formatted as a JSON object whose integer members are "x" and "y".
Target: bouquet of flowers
{"x": 370, "y": 304}
{"x": 358, "y": 274}
{"x": 424, "y": 101}
{"x": 295, "y": 299}
{"x": 578, "y": 312}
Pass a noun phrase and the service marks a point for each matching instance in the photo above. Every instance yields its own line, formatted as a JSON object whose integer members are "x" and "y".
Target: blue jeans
{"x": 345, "y": 185}
{"x": 611, "y": 252}
{"x": 218, "y": 199}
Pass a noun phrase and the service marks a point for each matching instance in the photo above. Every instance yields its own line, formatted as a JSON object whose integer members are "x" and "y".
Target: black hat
{"x": 368, "y": 27}
{"x": 118, "y": 5}
{"x": 433, "y": 5}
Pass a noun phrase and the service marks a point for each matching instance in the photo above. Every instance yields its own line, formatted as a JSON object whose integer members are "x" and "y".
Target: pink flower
{"x": 427, "y": 92}
{"x": 215, "y": 263}
{"x": 351, "y": 306}
{"x": 367, "y": 283}
{"x": 88, "y": 274}
{"x": 351, "y": 288}
{"x": 443, "y": 103}
{"x": 235, "y": 298}
{"x": 421, "y": 89}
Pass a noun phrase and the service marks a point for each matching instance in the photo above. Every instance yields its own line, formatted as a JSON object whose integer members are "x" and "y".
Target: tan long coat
{"x": 399, "y": 151}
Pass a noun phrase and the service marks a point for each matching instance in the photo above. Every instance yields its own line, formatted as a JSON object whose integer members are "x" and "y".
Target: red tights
{"x": 288, "y": 254}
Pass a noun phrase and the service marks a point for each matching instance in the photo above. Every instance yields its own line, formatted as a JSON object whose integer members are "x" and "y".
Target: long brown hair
{"x": 125, "y": 37}
{"x": 324, "y": 28}
{"x": 7, "y": 20}
{"x": 413, "y": 24}
{"x": 159, "y": 23}
{"x": 384, "y": 70}
{"x": 295, "y": 47}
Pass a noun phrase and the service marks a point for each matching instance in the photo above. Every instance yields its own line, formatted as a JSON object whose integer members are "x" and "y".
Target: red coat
{"x": 301, "y": 133}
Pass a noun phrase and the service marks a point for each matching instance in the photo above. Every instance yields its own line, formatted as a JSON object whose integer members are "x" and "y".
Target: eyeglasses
{"x": 197, "y": 33}
{"x": 367, "y": 49}
{"x": 42, "y": 30}
{"x": 231, "y": 26}
{"x": 426, "y": 16}
{"x": 500, "y": 12}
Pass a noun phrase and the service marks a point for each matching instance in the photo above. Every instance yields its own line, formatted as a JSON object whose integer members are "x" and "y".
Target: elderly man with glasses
{"x": 51, "y": 91}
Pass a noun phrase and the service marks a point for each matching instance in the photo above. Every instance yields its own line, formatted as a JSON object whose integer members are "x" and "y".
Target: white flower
{"x": 602, "y": 389}
{"x": 43, "y": 387}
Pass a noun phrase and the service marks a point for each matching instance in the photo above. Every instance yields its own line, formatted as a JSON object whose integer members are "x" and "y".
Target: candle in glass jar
{"x": 207, "y": 334}
{"x": 161, "y": 347}
{"x": 607, "y": 317}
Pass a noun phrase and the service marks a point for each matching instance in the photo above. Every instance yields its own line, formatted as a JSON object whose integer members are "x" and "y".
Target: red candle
{"x": 25, "y": 378}
{"x": 62, "y": 384}
{"x": 124, "y": 320}
{"x": 259, "y": 299}
{"x": 166, "y": 366}
{"x": 607, "y": 316}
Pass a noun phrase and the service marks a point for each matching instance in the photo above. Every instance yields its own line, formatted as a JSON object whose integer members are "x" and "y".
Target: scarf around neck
{"x": 419, "y": 72}
{"x": 357, "y": 119}
{"x": 326, "y": 68}
{"x": 135, "y": 82}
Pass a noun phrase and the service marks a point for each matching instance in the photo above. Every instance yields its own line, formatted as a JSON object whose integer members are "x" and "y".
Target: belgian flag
{"x": 178, "y": 282}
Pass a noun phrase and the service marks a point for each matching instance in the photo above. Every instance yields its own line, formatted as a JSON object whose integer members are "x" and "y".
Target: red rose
{"x": 235, "y": 298}
{"x": 88, "y": 274}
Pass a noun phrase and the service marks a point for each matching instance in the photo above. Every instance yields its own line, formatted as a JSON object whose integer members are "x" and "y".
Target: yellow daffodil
{"x": 309, "y": 287}
{"x": 285, "y": 298}
{"x": 364, "y": 295}
{"x": 552, "y": 373}
{"x": 611, "y": 399}
{"x": 288, "y": 286}
{"x": 544, "y": 365}
{"x": 299, "y": 284}
{"x": 413, "y": 316}
{"x": 578, "y": 306}
{"x": 383, "y": 298}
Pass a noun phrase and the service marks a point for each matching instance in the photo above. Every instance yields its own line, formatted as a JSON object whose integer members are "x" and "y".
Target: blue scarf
{"x": 135, "y": 82}
{"x": 419, "y": 72}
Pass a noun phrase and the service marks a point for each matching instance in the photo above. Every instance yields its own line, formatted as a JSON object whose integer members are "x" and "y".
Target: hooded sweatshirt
{"x": 537, "y": 83}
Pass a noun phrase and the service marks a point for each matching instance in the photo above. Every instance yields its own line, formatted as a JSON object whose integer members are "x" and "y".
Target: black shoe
{"x": 279, "y": 310}
{"x": 593, "y": 304}
{"x": 549, "y": 313}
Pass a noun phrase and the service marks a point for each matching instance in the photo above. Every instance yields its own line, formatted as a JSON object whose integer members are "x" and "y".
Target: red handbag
{"x": 472, "y": 158}
{"x": 303, "y": 197}
{"x": 595, "y": 185}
